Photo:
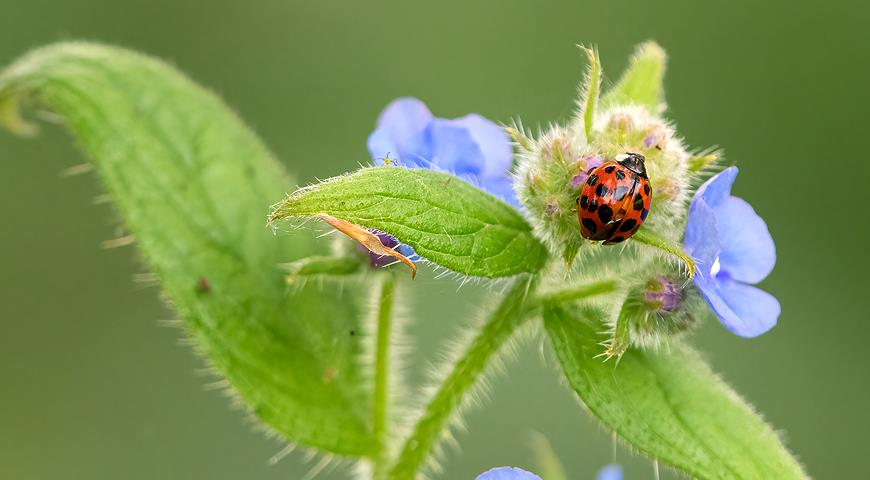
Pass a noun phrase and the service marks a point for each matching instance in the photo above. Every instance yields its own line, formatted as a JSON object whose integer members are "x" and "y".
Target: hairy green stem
{"x": 646, "y": 237}
{"x": 382, "y": 373}
{"x": 576, "y": 293}
{"x": 320, "y": 266}
{"x": 502, "y": 323}
{"x": 548, "y": 464}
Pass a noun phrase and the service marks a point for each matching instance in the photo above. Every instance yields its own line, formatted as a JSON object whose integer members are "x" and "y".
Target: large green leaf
{"x": 668, "y": 405}
{"x": 446, "y": 220}
{"x": 193, "y": 185}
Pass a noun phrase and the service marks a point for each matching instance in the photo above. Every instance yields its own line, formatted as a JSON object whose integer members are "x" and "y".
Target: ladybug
{"x": 615, "y": 200}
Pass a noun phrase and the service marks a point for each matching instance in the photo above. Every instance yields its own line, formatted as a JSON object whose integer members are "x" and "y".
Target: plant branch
{"x": 497, "y": 330}
{"x": 576, "y": 293}
{"x": 382, "y": 373}
{"x": 647, "y": 237}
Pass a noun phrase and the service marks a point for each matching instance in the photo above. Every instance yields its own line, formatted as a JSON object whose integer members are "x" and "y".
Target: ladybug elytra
{"x": 615, "y": 200}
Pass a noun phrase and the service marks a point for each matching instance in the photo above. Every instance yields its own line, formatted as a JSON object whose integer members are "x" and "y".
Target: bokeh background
{"x": 92, "y": 387}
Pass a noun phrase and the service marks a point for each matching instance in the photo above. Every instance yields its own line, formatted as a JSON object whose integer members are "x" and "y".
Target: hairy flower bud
{"x": 653, "y": 313}
{"x": 552, "y": 172}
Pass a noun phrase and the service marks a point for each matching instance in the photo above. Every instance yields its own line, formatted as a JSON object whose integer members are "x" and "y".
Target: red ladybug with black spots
{"x": 615, "y": 200}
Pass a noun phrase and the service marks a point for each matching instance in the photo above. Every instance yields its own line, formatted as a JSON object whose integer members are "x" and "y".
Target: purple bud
{"x": 586, "y": 164}
{"x": 649, "y": 141}
{"x": 664, "y": 294}
{"x": 593, "y": 161}
{"x": 551, "y": 209}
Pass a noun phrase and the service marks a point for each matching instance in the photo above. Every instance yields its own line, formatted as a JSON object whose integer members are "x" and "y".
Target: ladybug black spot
{"x": 588, "y": 224}
{"x": 610, "y": 169}
{"x": 601, "y": 190}
{"x": 615, "y": 239}
{"x": 593, "y": 205}
{"x": 605, "y": 213}
{"x": 584, "y": 202}
{"x": 628, "y": 225}
{"x": 619, "y": 193}
{"x": 643, "y": 215}
{"x": 638, "y": 202}
{"x": 620, "y": 174}
{"x": 646, "y": 188}
{"x": 591, "y": 180}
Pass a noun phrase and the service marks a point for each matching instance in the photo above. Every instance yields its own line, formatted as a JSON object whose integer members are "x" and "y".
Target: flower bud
{"x": 654, "y": 313}
{"x": 555, "y": 166}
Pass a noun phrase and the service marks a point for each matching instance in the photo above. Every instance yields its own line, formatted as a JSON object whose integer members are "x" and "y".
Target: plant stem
{"x": 577, "y": 292}
{"x": 653, "y": 240}
{"x": 503, "y": 322}
{"x": 382, "y": 373}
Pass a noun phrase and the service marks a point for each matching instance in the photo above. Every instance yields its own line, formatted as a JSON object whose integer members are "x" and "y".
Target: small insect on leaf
{"x": 367, "y": 239}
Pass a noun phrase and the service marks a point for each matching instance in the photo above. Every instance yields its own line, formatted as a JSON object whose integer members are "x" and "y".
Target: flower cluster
{"x": 729, "y": 241}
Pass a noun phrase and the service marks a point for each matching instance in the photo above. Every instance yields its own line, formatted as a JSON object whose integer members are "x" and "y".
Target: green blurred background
{"x": 94, "y": 388}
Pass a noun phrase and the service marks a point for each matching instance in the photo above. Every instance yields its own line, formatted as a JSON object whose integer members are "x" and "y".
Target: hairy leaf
{"x": 192, "y": 183}
{"x": 669, "y": 405}
{"x": 641, "y": 83}
{"x": 445, "y": 219}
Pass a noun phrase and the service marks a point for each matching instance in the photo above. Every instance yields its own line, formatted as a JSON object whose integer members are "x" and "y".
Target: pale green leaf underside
{"x": 446, "y": 220}
{"x": 642, "y": 81}
{"x": 669, "y": 405}
{"x": 192, "y": 184}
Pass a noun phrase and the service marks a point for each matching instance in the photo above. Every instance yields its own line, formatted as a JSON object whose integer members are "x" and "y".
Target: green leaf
{"x": 641, "y": 83}
{"x": 446, "y": 220}
{"x": 192, "y": 184}
{"x": 591, "y": 90}
{"x": 669, "y": 405}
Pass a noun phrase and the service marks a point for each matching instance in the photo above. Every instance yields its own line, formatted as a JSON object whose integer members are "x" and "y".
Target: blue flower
{"x": 470, "y": 147}
{"x": 733, "y": 250}
{"x": 507, "y": 473}
{"x": 609, "y": 472}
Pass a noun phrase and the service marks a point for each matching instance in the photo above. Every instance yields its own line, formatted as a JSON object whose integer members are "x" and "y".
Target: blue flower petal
{"x": 450, "y": 147}
{"x": 402, "y": 120}
{"x": 502, "y": 187}
{"x": 702, "y": 235}
{"x": 718, "y": 188}
{"x": 507, "y": 473}
{"x": 745, "y": 310}
{"x": 492, "y": 141}
{"x": 750, "y": 311}
{"x": 610, "y": 472}
{"x": 470, "y": 147}
{"x": 748, "y": 253}
{"x": 733, "y": 249}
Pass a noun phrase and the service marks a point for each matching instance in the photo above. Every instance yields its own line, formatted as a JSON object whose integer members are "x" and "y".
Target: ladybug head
{"x": 633, "y": 162}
